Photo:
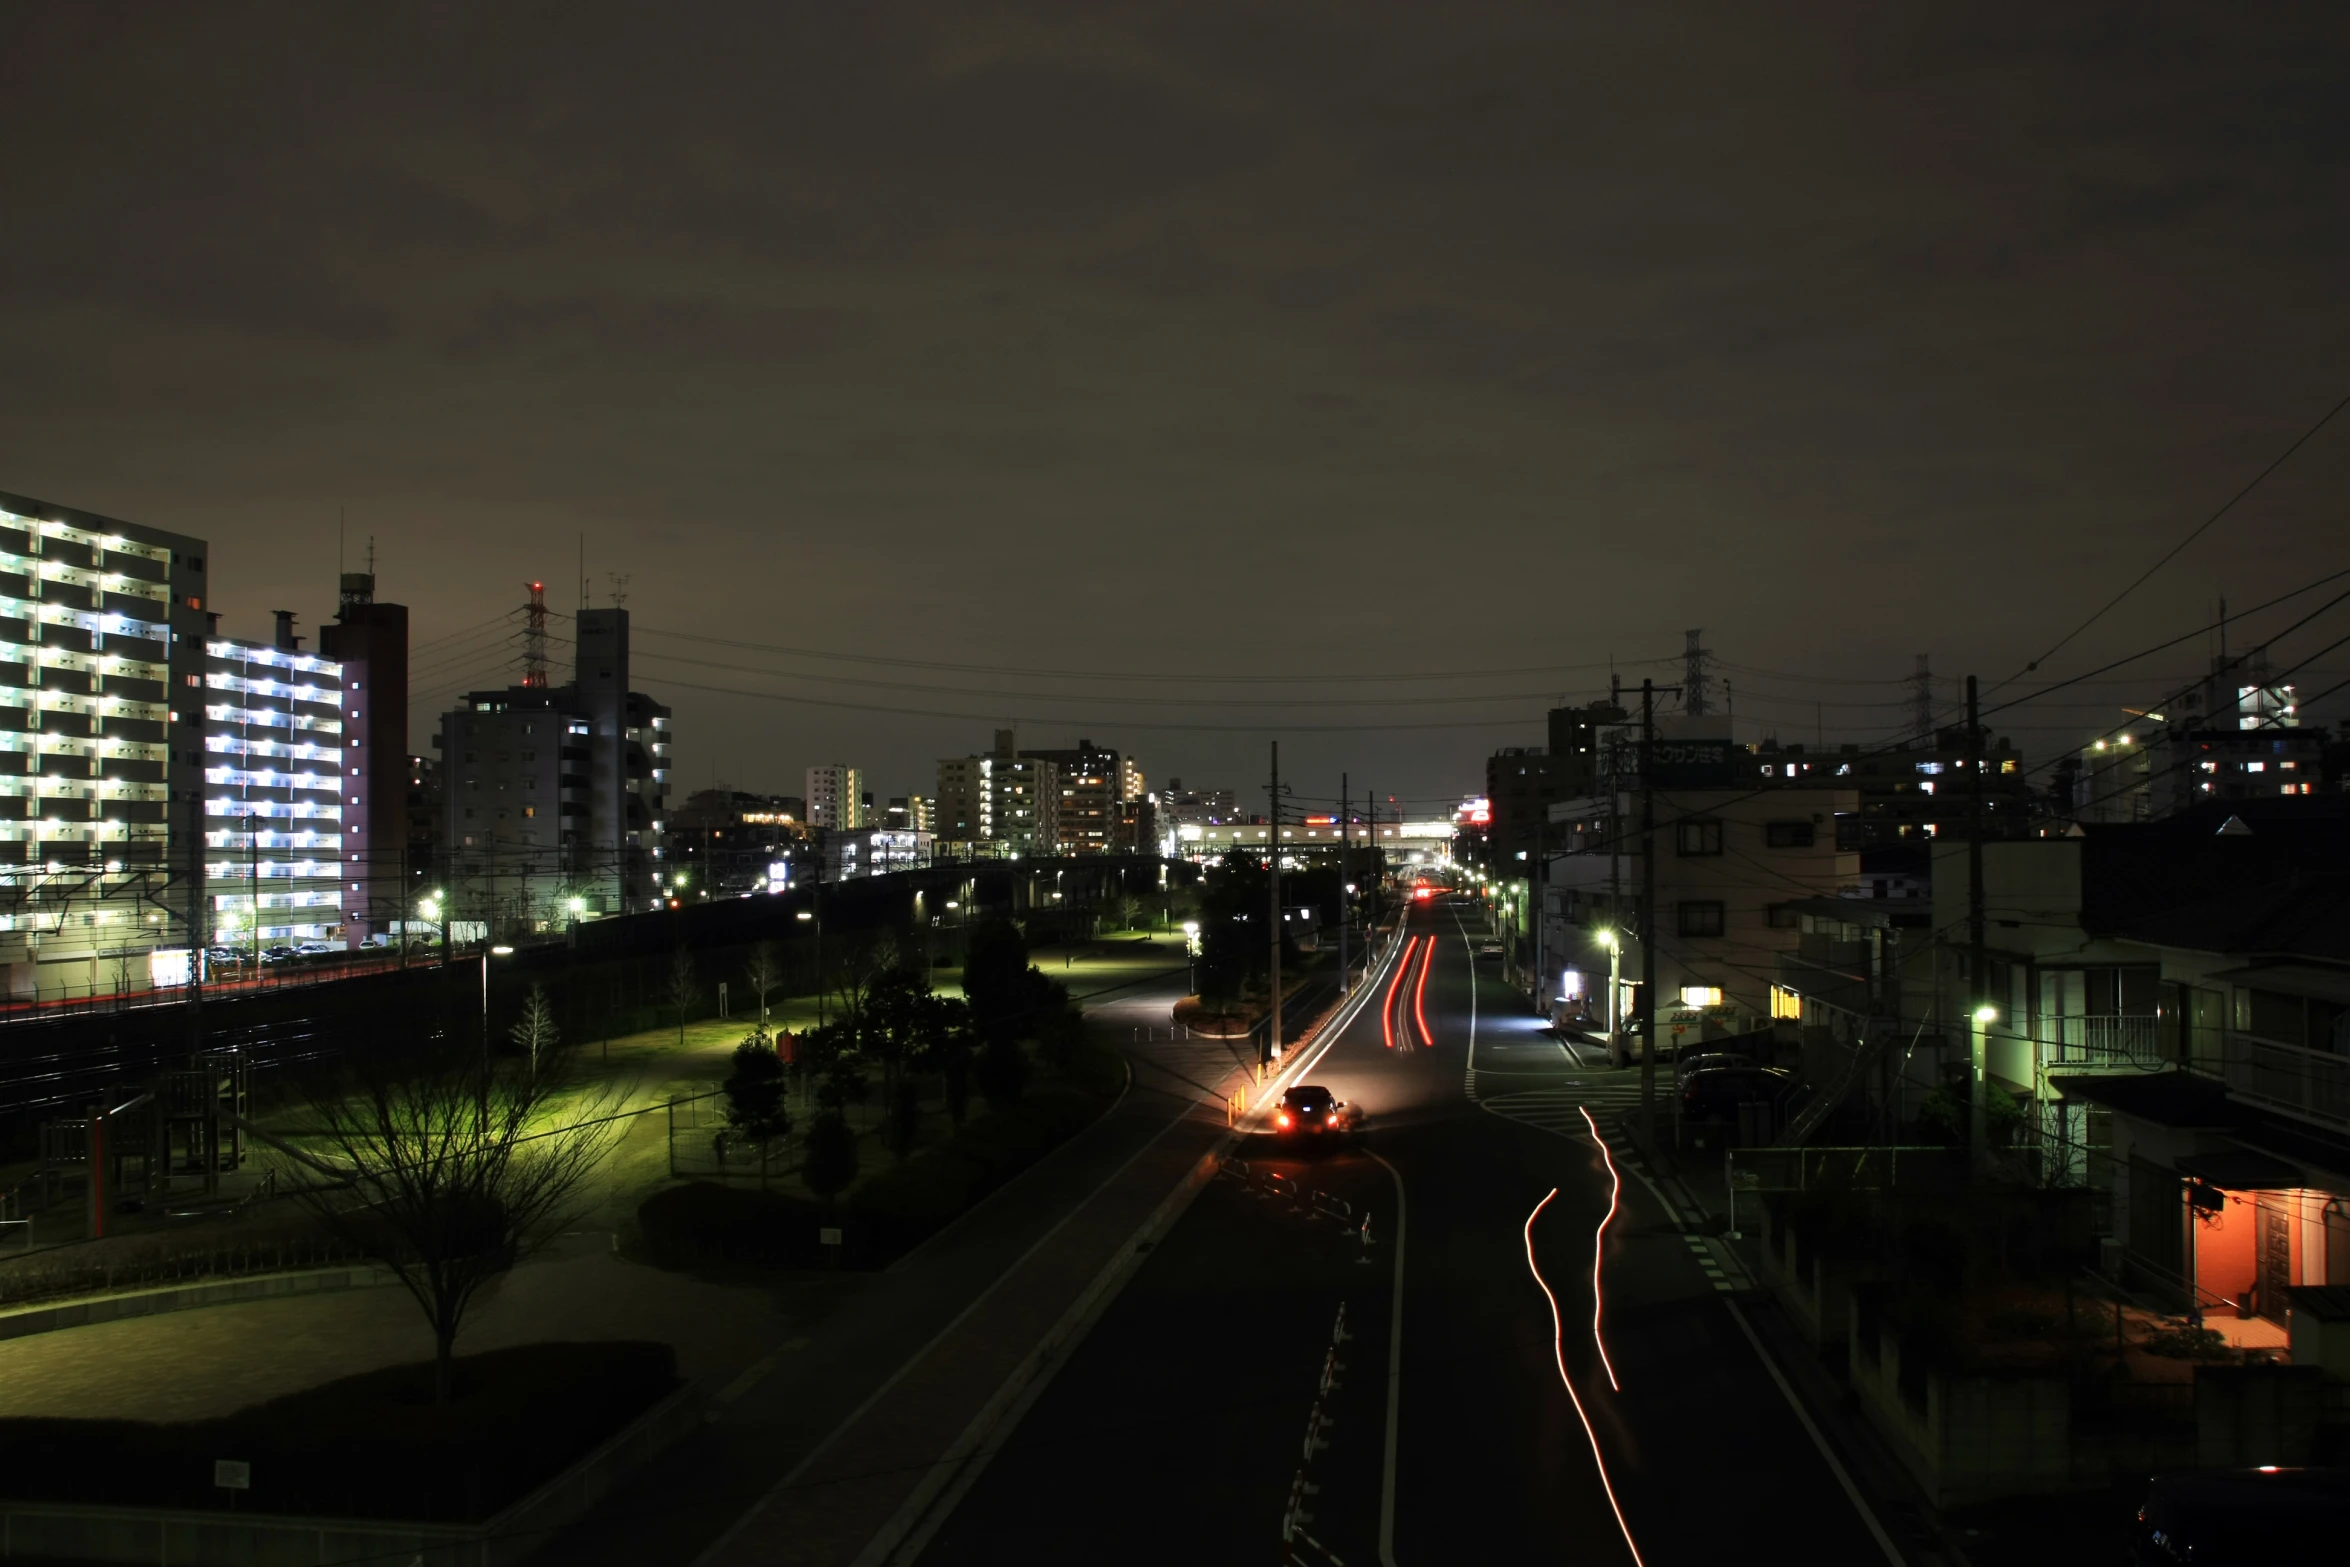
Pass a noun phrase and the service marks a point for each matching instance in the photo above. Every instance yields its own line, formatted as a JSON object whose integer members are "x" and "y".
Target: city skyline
{"x": 1900, "y": 357}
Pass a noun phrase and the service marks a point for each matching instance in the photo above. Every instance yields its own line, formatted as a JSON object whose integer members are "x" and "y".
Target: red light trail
{"x": 1387, "y": 1006}
{"x": 1558, "y": 1354}
{"x": 1427, "y": 961}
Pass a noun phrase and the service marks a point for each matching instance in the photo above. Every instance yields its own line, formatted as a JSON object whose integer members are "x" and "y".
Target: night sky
{"x": 1189, "y": 340}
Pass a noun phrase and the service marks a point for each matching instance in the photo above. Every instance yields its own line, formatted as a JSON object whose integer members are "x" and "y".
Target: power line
{"x": 1138, "y": 677}
{"x": 2193, "y": 534}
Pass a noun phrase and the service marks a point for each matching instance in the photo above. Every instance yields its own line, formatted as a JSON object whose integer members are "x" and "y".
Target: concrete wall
{"x": 167, "y": 1538}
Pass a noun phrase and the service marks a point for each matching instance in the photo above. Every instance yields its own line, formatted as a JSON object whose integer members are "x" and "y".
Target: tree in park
{"x": 447, "y": 1166}
{"x": 995, "y": 977}
{"x": 829, "y": 1162}
{"x": 764, "y": 971}
{"x": 534, "y": 1033}
{"x": 681, "y": 989}
{"x": 754, "y": 1092}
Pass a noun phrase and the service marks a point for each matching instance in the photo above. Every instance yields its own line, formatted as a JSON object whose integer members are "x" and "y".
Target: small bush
{"x": 2185, "y": 1343}
{"x": 704, "y": 1224}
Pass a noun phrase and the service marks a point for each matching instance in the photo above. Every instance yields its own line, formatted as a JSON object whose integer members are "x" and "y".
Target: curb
{"x": 26, "y": 1321}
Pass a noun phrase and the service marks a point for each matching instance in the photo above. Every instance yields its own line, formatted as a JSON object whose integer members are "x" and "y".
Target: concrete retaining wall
{"x": 23, "y": 1320}
{"x": 166, "y": 1538}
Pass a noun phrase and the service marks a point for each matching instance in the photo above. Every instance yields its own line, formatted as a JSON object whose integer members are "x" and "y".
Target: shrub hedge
{"x": 373, "y": 1445}
{"x": 894, "y": 1209}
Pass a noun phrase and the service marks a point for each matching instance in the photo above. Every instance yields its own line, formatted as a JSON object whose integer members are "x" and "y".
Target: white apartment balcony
{"x": 2308, "y": 1085}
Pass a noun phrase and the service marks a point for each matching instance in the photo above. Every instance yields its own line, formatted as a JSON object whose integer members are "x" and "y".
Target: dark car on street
{"x": 1308, "y": 1112}
{"x": 1716, "y": 1095}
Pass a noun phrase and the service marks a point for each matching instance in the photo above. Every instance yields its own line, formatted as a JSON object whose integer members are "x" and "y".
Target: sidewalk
{"x": 1697, "y": 1180}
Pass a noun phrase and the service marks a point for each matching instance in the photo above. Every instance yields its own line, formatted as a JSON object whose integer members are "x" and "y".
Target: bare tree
{"x": 855, "y": 965}
{"x": 534, "y": 1033}
{"x": 448, "y": 1169}
{"x": 765, "y": 972}
{"x": 681, "y": 989}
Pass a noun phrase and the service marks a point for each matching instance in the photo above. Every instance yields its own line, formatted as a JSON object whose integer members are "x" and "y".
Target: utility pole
{"x": 1978, "y": 986}
{"x": 1648, "y": 1045}
{"x": 199, "y": 938}
{"x": 1272, "y": 1050}
{"x": 1345, "y": 904}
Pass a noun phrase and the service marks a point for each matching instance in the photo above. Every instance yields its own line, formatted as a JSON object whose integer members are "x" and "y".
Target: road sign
{"x": 232, "y": 1474}
{"x": 828, "y": 1237}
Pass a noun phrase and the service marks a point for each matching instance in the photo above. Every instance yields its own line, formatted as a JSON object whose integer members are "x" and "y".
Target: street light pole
{"x": 1648, "y": 1045}
{"x": 1273, "y": 882}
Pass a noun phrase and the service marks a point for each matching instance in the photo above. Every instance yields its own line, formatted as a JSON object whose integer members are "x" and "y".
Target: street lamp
{"x": 809, "y": 914}
{"x": 1977, "y": 1133}
{"x": 1615, "y": 979}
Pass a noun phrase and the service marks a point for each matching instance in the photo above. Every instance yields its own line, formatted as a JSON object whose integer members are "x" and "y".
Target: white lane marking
{"x": 1470, "y": 948}
{"x": 1394, "y": 1383}
{"x": 1851, "y": 1491}
{"x": 1558, "y": 1354}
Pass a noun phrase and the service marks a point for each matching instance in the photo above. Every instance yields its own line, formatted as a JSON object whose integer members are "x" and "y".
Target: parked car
{"x": 1489, "y": 949}
{"x": 2227, "y": 1517}
{"x": 311, "y": 949}
{"x": 1716, "y": 1095}
{"x": 276, "y": 954}
{"x": 1710, "y": 1061}
{"x": 223, "y": 957}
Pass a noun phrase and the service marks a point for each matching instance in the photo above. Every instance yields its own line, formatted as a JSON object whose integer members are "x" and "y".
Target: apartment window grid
{"x": 1701, "y": 916}
{"x": 272, "y": 723}
{"x": 1698, "y": 836}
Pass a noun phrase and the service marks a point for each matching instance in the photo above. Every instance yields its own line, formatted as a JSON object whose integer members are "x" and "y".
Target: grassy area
{"x": 368, "y": 1446}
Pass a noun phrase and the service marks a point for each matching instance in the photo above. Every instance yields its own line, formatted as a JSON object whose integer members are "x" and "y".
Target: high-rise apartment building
{"x": 553, "y": 797}
{"x": 1088, "y": 785}
{"x": 836, "y": 797}
{"x": 1004, "y": 799}
{"x": 909, "y": 813}
{"x": 370, "y": 641}
{"x": 274, "y": 793}
{"x": 101, "y": 672}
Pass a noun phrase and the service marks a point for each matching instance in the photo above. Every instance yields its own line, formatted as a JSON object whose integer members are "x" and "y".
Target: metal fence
{"x": 62, "y": 1271}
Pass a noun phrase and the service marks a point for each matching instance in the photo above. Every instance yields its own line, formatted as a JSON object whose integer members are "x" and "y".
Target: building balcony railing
{"x": 2134, "y": 1043}
{"x": 2309, "y": 1085}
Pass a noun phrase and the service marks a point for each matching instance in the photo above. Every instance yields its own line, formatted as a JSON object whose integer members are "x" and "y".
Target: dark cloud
{"x": 1212, "y": 337}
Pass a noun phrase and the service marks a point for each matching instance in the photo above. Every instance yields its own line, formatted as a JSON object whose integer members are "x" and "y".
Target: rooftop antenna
{"x": 534, "y": 640}
{"x": 619, "y": 580}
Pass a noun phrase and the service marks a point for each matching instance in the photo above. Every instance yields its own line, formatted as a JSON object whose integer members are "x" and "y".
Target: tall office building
{"x": 370, "y": 641}
{"x": 101, "y": 669}
{"x": 274, "y": 840}
{"x": 836, "y": 797}
{"x": 553, "y": 797}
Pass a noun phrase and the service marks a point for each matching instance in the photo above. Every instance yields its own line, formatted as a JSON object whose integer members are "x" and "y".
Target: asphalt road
{"x": 1177, "y": 1432}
